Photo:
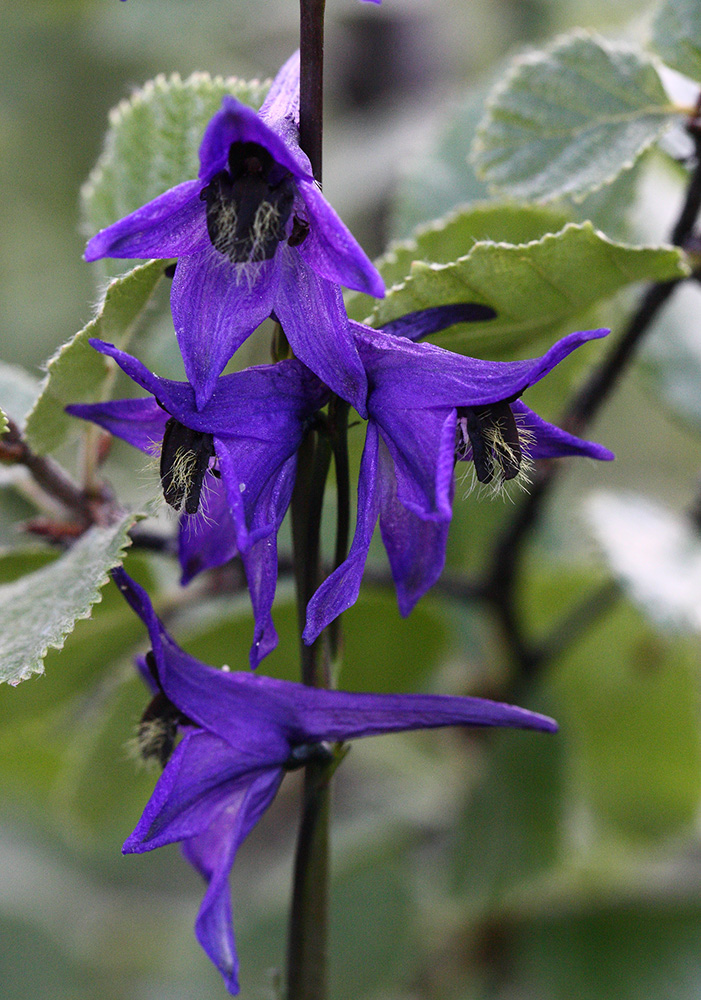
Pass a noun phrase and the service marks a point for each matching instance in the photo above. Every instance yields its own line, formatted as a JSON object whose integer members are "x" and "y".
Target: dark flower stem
{"x": 308, "y": 929}
{"x": 501, "y": 582}
{"x": 313, "y": 461}
{"x": 311, "y": 81}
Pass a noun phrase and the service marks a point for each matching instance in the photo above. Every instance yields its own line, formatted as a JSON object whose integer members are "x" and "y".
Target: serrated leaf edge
{"x": 37, "y": 667}
{"x": 144, "y": 95}
{"x": 422, "y": 265}
{"x": 533, "y": 56}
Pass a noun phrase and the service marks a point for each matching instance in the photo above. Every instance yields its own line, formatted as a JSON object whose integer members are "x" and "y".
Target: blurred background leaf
{"x": 568, "y": 120}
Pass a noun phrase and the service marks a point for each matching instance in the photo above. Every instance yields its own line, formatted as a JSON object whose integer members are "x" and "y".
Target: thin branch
{"x": 501, "y": 578}
{"x": 52, "y": 479}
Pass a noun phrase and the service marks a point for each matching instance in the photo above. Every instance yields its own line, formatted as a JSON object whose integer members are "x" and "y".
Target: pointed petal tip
{"x": 376, "y": 285}
{"x": 203, "y": 392}
{"x": 543, "y": 723}
{"x": 103, "y": 346}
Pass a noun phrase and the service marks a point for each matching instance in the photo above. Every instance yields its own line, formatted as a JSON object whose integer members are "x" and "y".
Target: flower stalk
{"x": 308, "y": 927}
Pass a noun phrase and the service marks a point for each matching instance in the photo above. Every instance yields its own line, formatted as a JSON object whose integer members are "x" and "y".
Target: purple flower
{"x": 429, "y": 408}
{"x": 253, "y": 236}
{"x": 242, "y": 732}
{"x": 230, "y": 465}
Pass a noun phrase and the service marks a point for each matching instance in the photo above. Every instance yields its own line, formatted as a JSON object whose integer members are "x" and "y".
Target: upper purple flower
{"x": 428, "y": 409}
{"x": 242, "y": 732}
{"x": 230, "y": 466}
{"x": 254, "y": 236}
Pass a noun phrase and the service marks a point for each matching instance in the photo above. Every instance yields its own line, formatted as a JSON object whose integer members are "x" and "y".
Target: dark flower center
{"x": 158, "y": 726}
{"x": 248, "y": 205}
{"x": 489, "y": 436}
{"x": 185, "y": 458}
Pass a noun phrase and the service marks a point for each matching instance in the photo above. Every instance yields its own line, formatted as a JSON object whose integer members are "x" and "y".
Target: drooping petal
{"x": 172, "y": 225}
{"x": 340, "y": 590}
{"x": 314, "y": 319}
{"x": 544, "y": 440}
{"x": 424, "y": 322}
{"x": 199, "y": 779}
{"x": 213, "y": 853}
{"x": 236, "y": 122}
{"x": 415, "y": 546}
{"x": 216, "y": 306}
{"x": 208, "y": 538}
{"x": 332, "y": 250}
{"x": 260, "y": 564}
{"x": 258, "y": 476}
{"x": 262, "y": 718}
{"x": 432, "y": 377}
{"x": 422, "y": 445}
{"x": 140, "y": 422}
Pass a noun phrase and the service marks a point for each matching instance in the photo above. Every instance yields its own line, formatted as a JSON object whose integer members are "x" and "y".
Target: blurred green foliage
{"x": 497, "y": 865}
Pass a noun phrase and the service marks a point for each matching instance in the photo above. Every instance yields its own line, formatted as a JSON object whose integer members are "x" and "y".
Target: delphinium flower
{"x": 253, "y": 236}
{"x": 429, "y": 408}
{"x": 229, "y": 466}
{"x": 242, "y": 732}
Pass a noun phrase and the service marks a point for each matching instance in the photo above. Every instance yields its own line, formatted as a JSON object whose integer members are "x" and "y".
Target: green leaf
{"x": 41, "y": 608}
{"x": 3, "y": 422}
{"x": 447, "y": 239}
{"x": 153, "y": 142}
{"x": 18, "y": 392}
{"x": 676, "y": 36}
{"x": 534, "y": 287}
{"x": 655, "y": 553}
{"x": 568, "y": 120}
{"x": 79, "y": 374}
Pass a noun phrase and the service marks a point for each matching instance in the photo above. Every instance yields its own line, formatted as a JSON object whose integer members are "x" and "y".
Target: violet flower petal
{"x": 549, "y": 441}
{"x": 424, "y": 322}
{"x": 140, "y": 422}
{"x": 208, "y": 538}
{"x": 415, "y": 546}
{"x": 237, "y": 122}
{"x": 216, "y": 306}
{"x": 202, "y": 774}
{"x": 213, "y": 853}
{"x": 340, "y": 590}
{"x": 314, "y": 319}
{"x": 432, "y": 376}
{"x": 422, "y": 444}
{"x": 172, "y": 225}
{"x": 260, "y": 564}
{"x": 262, "y": 718}
{"x": 332, "y": 250}
{"x": 280, "y": 109}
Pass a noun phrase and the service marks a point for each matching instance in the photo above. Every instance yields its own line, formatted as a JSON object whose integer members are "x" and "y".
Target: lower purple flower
{"x": 241, "y": 733}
